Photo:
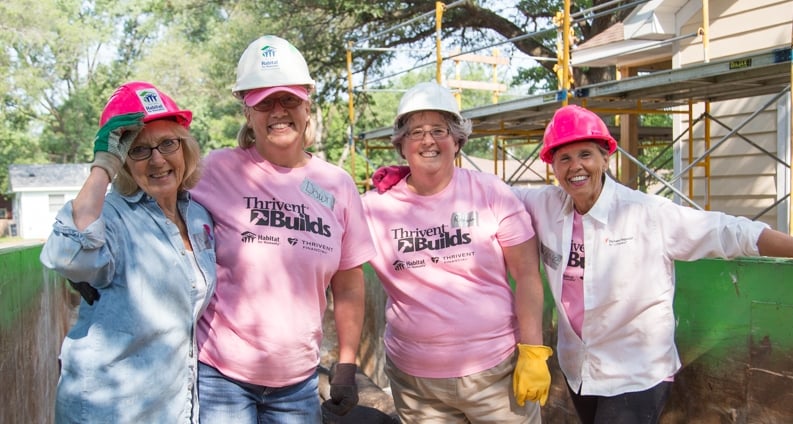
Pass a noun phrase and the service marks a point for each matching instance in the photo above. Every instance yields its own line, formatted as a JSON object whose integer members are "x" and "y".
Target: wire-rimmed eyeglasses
{"x": 166, "y": 147}
{"x": 436, "y": 133}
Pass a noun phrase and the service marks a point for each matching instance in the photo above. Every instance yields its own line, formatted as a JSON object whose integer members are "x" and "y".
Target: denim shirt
{"x": 131, "y": 356}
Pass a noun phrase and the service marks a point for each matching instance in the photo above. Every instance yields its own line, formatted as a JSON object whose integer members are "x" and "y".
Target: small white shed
{"x": 39, "y": 191}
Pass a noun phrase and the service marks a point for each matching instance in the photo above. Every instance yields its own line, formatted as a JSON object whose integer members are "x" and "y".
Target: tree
{"x": 56, "y": 67}
{"x": 63, "y": 57}
{"x": 470, "y": 25}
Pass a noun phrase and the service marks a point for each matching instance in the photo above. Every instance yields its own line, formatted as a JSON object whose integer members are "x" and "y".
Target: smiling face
{"x": 280, "y": 131}
{"x": 161, "y": 175}
{"x": 426, "y": 154}
{"x": 579, "y": 167}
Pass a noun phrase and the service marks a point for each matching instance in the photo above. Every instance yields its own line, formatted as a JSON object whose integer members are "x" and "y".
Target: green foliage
{"x": 63, "y": 85}
{"x": 538, "y": 80}
{"x": 69, "y": 130}
{"x": 12, "y": 152}
{"x": 63, "y": 58}
{"x": 656, "y": 120}
{"x": 15, "y": 147}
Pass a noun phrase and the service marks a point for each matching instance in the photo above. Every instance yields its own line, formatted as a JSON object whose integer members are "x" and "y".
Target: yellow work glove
{"x": 532, "y": 379}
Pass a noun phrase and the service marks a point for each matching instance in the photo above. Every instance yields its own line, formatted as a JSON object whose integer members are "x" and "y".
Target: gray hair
{"x": 459, "y": 130}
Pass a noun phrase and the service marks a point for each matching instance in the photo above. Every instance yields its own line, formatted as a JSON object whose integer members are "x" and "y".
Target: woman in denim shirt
{"x": 143, "y": 257}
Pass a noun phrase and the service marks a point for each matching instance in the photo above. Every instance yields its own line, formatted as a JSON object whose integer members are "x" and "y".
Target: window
{"x": 56, "y": 202}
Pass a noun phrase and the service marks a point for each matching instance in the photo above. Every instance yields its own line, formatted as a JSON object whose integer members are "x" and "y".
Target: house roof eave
{"x": 623, "y": 53}
{"x": 641, "y": 38}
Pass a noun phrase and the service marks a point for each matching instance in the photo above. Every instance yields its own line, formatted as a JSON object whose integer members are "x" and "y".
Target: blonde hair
{"x": 126, "y": 185}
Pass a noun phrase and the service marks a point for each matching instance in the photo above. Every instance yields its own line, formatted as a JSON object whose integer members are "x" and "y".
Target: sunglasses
{"x": 287, "y": 102}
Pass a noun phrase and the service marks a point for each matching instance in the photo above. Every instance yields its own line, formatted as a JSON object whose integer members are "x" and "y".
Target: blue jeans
{"x": 222, "y": 400}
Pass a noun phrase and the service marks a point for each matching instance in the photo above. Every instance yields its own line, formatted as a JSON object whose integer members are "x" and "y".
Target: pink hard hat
{"x": 138, "y": 96}
{"x": 573, "y": 123}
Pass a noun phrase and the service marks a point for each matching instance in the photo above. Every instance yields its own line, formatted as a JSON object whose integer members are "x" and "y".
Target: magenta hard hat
{"x": 139, "y": 96}
{"x": 574, "y": 123}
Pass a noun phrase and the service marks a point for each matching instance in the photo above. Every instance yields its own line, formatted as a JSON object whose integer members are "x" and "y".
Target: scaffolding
{"x": 671, "y": 91}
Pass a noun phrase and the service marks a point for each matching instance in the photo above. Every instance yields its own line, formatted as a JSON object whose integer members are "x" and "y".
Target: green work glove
{"x": 113, "y": 140}
{"x": 343, "y": 390}
{"x": 532, "y": 379}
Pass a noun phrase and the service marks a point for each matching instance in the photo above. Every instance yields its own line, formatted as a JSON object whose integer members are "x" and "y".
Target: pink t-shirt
{"x": 450, "y": 309}
{"x": 282, "y": 233}
{"x": 573, "y": 278}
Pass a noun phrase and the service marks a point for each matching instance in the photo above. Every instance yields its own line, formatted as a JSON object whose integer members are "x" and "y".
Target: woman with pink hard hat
{"x": 609, "y": 254}
{"x": 142, "y": 257}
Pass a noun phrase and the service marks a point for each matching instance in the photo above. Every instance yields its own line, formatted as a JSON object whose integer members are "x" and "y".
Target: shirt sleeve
{"x": 515, "y": 225}
{"x": 691, "y": 234}
{"x": 357, "y": 242}
{"x": 80, "y": 256}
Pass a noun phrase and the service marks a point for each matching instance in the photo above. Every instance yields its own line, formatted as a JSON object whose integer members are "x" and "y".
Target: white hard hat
{"x": 270, "y": 61}
{"x": 427, "y": 96}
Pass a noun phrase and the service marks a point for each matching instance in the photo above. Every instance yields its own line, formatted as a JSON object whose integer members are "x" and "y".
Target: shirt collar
{"x": 600, "y": 210}
{"x": 140, "y": 196}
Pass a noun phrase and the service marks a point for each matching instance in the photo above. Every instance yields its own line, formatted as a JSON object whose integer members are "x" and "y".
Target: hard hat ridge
{"x": 270, "y": 61}
{"x": 427, "y": 96}
{"x": 140, "y": 96}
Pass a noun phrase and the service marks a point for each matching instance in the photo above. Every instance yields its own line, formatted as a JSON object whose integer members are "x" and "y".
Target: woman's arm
{"x": 775, "y": 243}
{"x": 348, "y": 310}
{"x": 523, "y": 264}
{"x": 87, "y": 206}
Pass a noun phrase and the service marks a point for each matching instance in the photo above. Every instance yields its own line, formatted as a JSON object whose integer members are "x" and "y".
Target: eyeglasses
{"x": 436, "y": 133}
{"x": 286, "y": 102}
{"x": 166, "y": 147}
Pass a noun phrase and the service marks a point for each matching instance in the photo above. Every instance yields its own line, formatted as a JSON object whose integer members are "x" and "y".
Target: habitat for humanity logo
{"x": 151, "y": 101}
{"x": 400, "y": 265}
{"x": 268, "y": 59}
{"x": 251, "y": 237}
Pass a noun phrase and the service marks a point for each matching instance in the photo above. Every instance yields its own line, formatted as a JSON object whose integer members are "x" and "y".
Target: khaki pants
{"x": 484, "y": 397}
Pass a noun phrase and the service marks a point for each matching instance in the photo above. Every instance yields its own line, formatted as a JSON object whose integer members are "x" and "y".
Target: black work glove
{"x": 343, "y": 390}
{"x": 87, "y": 291}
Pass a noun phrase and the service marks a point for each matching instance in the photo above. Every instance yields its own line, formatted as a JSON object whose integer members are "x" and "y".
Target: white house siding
{"x": 36, "y": 222}
{"x": 744, "y": 180}
{"x": 737, "y": 28}
{"x": 32, "y": 185}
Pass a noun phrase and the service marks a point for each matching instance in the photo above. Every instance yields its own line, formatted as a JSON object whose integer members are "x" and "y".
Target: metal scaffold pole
{"x": 438, "y": 45}
{"x": 351, "y": 111}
